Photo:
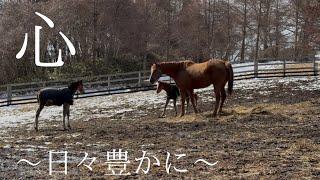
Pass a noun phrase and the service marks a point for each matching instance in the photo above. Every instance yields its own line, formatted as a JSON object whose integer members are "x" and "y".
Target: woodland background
{"x": 128, "y": 35}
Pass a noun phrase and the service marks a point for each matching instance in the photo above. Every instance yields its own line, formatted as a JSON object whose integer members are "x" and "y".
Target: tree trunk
{"x": 94, "y": 44}
{"x": 244, "y": 33}
{"x": 277, "y": 30}
{"x": 257, "y": 41}
{"x": 258, "y": 32}
{"x": 168, "y": 30}
{"x": 296, "y": 34}
{"x": 227, "y": 53}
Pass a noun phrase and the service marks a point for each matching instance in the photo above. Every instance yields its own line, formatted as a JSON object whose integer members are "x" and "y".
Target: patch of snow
{"x": 139, "y": 102}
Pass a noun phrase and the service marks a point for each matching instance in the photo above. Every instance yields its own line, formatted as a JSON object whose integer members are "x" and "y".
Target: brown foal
{"x": 172, "y": 93}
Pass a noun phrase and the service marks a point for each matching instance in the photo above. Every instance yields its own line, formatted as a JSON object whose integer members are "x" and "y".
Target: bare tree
{"x": 244, "y": 32}
{"x": 119, "y": 36}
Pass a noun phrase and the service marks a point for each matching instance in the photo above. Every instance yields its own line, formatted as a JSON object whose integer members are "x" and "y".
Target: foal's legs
{"x": 68, "y": 115}
{"x": 224, "y": 96}
{"x": 188, "y": 104}
{"x": 217, "y": 93}
{"x": 175, "y": 106}
{"x": 41, "y": 106}
{"x": 196, "y": 101}
{"x": 183, "y": 99}
{"x": 192, "y": 97}
{"x": 165, "y": 107}
{"x": 66, "y": 108}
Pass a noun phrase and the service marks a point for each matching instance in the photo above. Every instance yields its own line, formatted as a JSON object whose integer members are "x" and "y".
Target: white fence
{"x": 24, "y": 93}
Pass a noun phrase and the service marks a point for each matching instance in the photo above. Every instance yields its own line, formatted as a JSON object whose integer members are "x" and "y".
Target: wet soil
{"x": 272, "y": 135}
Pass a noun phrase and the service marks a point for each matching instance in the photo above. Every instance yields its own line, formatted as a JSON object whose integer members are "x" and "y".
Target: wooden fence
{"x": 25, "y": 93}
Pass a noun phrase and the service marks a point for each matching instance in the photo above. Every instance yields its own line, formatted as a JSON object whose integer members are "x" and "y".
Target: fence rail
{"x": 25, "y": 93}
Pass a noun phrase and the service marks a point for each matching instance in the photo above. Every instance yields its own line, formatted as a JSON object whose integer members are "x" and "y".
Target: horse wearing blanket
{"x": 58, "y": 97}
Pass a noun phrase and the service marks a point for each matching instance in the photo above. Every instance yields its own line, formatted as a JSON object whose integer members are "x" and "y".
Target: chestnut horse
{"x": 189, "y": 75}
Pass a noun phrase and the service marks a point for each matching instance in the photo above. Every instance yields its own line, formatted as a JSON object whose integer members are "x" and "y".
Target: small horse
{"x": 58, "y": 97}
{"x": 172, "y": 93}
{"x": 189, "y": 75}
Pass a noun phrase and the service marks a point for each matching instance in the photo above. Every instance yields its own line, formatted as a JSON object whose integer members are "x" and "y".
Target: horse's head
{"x": 80, "y": 87}
{"x": 77, "y": 86}
{"x": 155, "y": 73}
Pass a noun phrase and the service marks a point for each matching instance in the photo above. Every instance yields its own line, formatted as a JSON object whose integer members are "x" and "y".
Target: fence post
{"x": 255, "y": 68}
{"x": 109, "y": 78}
{"x": 315, "y": 67}
{"x": 9, "y": 94}
{"x": 284, "y": 67}
{"x": 139, "y": 81}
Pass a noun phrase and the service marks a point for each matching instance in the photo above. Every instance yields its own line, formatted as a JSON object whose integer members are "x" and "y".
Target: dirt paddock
{"x": 272, "y": 135}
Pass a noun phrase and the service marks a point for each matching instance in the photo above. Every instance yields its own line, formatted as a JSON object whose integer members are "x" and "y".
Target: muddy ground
{"x": 272, "y": 135}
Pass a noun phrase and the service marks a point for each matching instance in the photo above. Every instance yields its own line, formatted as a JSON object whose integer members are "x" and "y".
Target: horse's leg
{"x": 68, "y": 115}
{"x": 188, "y": 104}
{"x": 217, "y": 93}
{"x": 64, "y": 115}
{"x": 196, "y": 100}
{"x": 223, "y": 98}
{"x": 41, "y": 106}
{"x": 175, "y": 106}
{"x": 183, "y": 99}
{"x": 165, "y": 107}
{"x": 191, "y": 95}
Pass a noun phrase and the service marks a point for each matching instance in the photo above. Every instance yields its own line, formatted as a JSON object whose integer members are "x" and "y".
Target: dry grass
{"x": 272, "y": 140}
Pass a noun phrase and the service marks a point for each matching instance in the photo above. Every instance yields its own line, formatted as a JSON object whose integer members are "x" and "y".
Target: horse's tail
{"x": 229, "y": 77}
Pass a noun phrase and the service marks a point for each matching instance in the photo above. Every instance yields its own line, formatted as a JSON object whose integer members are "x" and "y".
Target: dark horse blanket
{"x": 173, "y": 92}
{"x": 56, "y": 97}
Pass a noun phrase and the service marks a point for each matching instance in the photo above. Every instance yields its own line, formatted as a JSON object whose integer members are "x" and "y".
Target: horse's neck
{"x": 72, "y": 90}
{"x": 166, "y": 87}
{"x": 171, "y": 69}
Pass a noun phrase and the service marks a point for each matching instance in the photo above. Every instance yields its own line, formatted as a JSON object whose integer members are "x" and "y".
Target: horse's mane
{"x": 174, "y": 65}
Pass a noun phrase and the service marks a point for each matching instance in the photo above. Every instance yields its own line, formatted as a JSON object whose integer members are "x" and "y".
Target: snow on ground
{"x": 118, "y": 105}
{"x": 238, "y": 68}
{"x": 249, "y": 66}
